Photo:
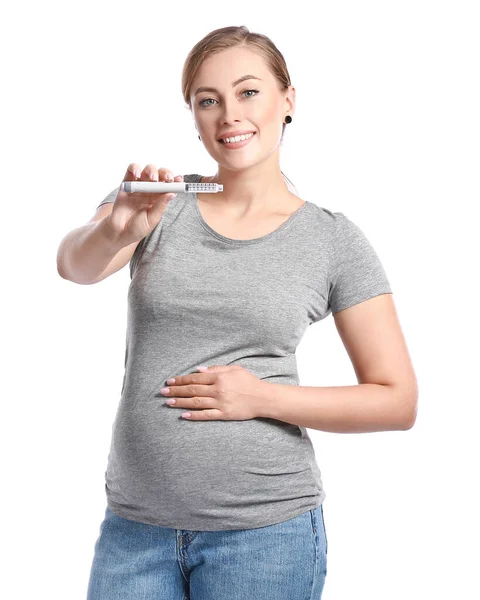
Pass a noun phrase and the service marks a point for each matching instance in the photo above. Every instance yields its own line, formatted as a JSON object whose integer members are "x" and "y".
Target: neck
{"x": 250, "y": 190}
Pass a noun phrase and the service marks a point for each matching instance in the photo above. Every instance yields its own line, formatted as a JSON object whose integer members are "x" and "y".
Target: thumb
{"x": 158, "y": 208}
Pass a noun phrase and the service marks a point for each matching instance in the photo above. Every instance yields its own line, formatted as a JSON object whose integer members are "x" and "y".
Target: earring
{"x": 199, "y": 138}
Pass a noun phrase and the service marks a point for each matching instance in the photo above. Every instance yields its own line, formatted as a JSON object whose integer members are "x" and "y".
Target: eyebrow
{"x": 234, "y": 83}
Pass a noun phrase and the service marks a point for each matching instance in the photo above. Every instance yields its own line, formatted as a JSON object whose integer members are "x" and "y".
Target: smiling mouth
{"x": 238, "y": 144}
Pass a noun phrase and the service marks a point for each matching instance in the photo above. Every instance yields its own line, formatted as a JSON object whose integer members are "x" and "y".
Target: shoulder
{"x": 348, "y": 242}
{"x": 336, "y": 223}
{"x": 329, "y": 216}
{"x": 342, "y": 227}
{"x": 335, "y": 219}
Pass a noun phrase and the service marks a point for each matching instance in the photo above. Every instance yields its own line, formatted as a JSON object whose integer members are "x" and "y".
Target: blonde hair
{"x": 229, "y": 37}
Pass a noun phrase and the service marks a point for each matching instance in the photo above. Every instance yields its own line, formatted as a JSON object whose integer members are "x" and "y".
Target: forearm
{"x": 86, "y": 251}
{"x": 361, "y": 408}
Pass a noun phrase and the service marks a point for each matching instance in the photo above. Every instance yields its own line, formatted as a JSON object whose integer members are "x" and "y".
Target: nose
{"x": 231, "y": 113}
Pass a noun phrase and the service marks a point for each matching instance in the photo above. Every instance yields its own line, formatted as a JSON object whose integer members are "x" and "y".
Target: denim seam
{"x": 313, "y": 518}
{"x": 325, "y": 530}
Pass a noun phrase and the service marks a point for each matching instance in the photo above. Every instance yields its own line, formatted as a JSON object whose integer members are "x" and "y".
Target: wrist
{"x": 111, "y": 237}
{"x": 266, "y": 400}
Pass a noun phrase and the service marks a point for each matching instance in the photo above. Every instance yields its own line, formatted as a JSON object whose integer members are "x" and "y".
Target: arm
{"x": 387, "y": 394}
{"x": 93, "y": 251}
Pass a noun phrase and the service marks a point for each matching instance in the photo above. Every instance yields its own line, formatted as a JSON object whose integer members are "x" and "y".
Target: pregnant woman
{"x": 213, "y": 490}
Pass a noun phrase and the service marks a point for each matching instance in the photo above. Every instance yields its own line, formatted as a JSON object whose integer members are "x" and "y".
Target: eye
{"x": 256, "y": 92}
{"x": 202, "y": 102}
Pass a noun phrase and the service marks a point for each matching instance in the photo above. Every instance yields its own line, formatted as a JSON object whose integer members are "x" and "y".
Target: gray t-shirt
{"x": 195, "y": 298}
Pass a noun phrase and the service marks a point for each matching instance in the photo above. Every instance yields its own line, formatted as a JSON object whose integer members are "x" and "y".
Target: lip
{"x": 240, "y": 144}
{"x": 234, "y": 133}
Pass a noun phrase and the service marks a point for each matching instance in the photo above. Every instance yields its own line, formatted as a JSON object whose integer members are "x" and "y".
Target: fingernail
{"x": 171, "y": 197}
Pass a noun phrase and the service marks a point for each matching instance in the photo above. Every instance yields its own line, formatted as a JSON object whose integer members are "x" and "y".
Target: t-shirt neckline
{"x": 216, "y": 234}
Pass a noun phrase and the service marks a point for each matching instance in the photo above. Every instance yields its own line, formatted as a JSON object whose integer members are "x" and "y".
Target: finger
{"x": 201, "y": 378}
{"x": 203, "y": 415}
{"x": 196, "y": 403}
{"x": 186, "y": 391}
{"x": 149, "y": 173}
{"x": 133, "y": 172}
{"x": 165, "y": 174}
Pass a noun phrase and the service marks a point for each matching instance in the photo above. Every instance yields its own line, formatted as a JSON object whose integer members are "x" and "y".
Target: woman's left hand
{"x": 228, "y": 393}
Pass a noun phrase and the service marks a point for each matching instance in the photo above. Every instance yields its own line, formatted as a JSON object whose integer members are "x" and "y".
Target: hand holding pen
{"x": 135, "y": 215}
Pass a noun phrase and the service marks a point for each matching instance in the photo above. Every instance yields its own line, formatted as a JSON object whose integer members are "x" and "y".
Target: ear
{"x": 290, "y": 101}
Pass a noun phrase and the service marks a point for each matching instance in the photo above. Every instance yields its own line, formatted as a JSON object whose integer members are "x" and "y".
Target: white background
{"x": 386, "y": 130}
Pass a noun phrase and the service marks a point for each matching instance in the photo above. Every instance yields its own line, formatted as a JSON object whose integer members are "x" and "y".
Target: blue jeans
{"x": 138, "y": 561}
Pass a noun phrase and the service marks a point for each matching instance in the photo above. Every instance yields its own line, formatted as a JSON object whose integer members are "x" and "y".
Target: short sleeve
{"x": 111, "y": 197}
{"x": 356, "y": 272}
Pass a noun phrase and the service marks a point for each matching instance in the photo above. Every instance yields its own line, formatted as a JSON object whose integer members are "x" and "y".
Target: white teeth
{"x": 237, "y": 138}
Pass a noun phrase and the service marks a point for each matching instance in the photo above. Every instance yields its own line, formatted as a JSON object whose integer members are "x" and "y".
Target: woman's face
{"x": 251, "y": 105}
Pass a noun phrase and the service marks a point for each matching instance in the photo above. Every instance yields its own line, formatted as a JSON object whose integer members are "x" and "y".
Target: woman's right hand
{"x": 134, "y": 215}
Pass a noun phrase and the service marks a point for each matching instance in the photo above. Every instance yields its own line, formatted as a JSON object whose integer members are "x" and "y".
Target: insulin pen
{"x": 161, "y": 187}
